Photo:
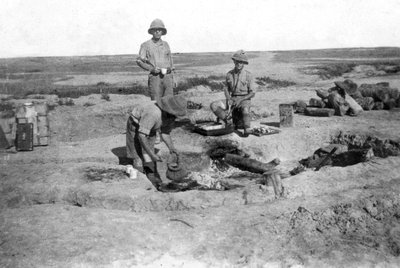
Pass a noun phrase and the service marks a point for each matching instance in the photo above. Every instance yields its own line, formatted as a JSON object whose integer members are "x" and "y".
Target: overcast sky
{"x": 94, "y": 27}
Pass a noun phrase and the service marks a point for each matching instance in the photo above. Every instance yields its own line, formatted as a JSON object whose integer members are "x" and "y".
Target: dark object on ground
{"x": 24, "y": 138}
{"x": 378, "y": 105}
{"x": 187, "y": 185}
{"x": 348, "y": 158}
{"x": 194, "y": 106}
{"x": 213, "y": 129}
{"x": 300, "y": 168}
{"x": 182, "y": 221}
{"x": 175, "y": 169}
{"x": 325, "y": 159}
{"x": 347, "y": 85}
{"x": 299, "y": 106}
{"x": 249, "y": 164}
{"x": 219, "y": 148}
{"x": 352, "y": 157}
{"x": 322, "y": 94}
{"x": 367, "y": 103}
{"x": 319, "y": 155}
{"x": 390, "y": 104}
{"x": 381, "y": 148}
{"x": 357, "y": 94}
{"x": 317, "y": 103}
{"x": 178, "y": 186}
{"x": 327, "y": 112}
{"x": 380, "y": 92}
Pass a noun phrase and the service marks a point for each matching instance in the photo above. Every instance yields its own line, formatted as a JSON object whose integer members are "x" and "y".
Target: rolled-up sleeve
{"x": 143, "y": 53}
{"x": 147, "y": 123}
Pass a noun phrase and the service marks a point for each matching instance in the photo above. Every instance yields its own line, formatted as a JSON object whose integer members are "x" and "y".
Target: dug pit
{"x": 349, "y": 149}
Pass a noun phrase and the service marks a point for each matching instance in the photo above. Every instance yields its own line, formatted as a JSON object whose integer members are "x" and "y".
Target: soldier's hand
{"x": 174, "y": 151}
{"x": 156, "y": 158}
{"x": 155, "y": 71}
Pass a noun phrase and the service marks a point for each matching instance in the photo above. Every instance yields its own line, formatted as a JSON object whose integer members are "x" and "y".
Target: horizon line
{"x": 203, "y": 52}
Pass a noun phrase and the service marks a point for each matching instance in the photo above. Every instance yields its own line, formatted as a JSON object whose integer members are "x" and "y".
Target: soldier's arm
{"x": 228, "y": 90}
{"x": 146, "y": 146}
{"x": 143, "y": 63}
{"x": 168, "y": 141}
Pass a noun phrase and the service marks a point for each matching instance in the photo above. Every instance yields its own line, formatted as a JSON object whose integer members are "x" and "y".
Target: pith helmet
{"x": 157, "y": 24}
{"x": 175, "y": 105}
{"x": 241, "y": 56}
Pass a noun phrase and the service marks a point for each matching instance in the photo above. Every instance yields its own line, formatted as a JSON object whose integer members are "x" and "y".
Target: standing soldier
{"x": 238, "y": 95}
{"x": 155, "y": 57}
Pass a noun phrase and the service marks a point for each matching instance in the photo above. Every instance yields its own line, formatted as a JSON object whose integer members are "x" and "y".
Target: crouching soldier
{"x": 238, "y": 94}
{"x": 143, "y": 123}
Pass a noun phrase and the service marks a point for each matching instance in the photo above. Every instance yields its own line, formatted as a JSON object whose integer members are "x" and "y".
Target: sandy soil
{"x": 54, "y": 215}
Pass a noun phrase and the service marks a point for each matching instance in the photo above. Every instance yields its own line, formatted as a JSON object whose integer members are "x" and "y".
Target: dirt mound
{"x": 365, "y": 225}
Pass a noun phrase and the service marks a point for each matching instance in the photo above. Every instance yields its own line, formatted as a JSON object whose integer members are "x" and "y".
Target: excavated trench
{"x": 110, "y": 188}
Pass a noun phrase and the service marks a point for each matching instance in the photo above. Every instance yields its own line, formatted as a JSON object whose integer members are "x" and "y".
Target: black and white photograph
{"x": 224, "y": 133}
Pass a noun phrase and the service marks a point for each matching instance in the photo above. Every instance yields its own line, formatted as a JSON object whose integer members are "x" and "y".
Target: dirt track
{"x": 53, "y": 215}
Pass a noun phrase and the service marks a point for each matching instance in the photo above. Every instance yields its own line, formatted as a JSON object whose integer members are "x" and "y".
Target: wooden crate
{"x": 24, "y": 140}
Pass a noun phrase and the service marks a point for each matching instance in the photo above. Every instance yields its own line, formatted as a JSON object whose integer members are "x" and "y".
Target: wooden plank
{"x": 249, "y": 164}
{"x": 325, "y": 112}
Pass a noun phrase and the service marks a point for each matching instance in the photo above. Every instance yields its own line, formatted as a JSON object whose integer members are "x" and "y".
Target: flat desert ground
{"x": 70, "y": 204}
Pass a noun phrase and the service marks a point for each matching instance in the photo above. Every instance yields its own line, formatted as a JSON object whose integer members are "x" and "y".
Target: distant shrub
{"x": 273, "y": 83}
{"x": 36, "y": 97}
{"x": 5, "y": 106}
{"x": 330, "y": 70}
{"x": 217, "y": 77}
{"x": 88, "y": 104}
{"x": 199, "y": 81}
{"x": 34, "y": 71}
{"x": 76, "y": 92}
{"x": 102, "y": 84}
{"x": 105, "y": 96}
{"x": 6, "y": 110}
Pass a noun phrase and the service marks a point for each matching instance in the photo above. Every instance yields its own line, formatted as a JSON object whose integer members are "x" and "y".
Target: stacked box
{"x": 43, "y": 123}
{"x": 43, "y": 130}
{"x": 37, "y": 115}
{"x": 24, "y": 139}
{"x": 27, "y": 114}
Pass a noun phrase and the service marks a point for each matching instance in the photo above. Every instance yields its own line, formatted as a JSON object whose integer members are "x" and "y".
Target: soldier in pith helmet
{"x": 239, "y": 91}
{"x": 156, "y": 58}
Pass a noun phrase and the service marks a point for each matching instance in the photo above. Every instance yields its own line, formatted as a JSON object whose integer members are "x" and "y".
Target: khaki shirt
{"x": 158, "y": 54}
{"x": 239, "y": 84}
{"x": 150, "y": 120}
